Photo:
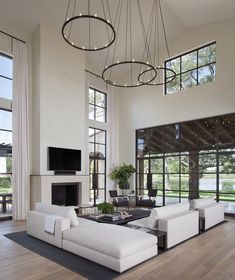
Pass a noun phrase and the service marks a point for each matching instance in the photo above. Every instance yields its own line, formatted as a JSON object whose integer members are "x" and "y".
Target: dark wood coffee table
{"x": 136, "y": 214}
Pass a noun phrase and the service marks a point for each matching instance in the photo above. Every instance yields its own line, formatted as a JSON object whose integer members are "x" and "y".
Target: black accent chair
{"x": 150, "y": 201}
{"x": 119, "y": 201}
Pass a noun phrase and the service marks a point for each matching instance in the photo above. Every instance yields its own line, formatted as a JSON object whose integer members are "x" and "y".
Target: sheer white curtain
{"x": 20, "y": 138}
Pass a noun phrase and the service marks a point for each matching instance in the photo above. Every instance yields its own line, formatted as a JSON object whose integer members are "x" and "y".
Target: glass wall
{"x": 188, "y": 160}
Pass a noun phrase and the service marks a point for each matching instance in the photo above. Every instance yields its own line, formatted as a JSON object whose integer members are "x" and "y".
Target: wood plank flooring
{"x": 209, "y": 256}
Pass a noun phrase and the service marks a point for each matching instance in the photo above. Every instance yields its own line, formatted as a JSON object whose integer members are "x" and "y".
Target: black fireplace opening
{"x": 65, "y": 194}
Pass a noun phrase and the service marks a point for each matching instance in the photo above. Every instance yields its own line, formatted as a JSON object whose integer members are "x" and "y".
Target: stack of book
{"x": 96, "y": 216}
{"x": 86, "y": 209}
{"x": 111, "y": 217}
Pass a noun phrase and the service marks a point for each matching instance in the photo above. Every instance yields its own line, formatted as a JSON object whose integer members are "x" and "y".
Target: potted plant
{"x": 105, "y": 207}
{"x": 121, "y": 174}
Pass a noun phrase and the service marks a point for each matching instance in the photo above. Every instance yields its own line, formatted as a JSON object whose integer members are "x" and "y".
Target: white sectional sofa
{"x": 210, "y": 211}
{"x": 116, "y": 247}
{"x": 177, "y": 220}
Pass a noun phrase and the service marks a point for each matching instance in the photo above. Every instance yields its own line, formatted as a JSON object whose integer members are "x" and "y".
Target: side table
{"x": 201, "y": 224}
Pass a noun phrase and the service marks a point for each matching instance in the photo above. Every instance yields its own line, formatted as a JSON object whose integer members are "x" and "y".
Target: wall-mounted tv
{"x": 61, "y": 159}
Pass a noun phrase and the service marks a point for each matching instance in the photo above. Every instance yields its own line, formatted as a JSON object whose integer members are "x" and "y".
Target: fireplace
{"x": 65, "y": 194}
{"x": 41, "y": 188}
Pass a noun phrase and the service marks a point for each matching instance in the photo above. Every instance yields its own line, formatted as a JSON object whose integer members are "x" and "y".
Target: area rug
{"x": 82, "y": 266}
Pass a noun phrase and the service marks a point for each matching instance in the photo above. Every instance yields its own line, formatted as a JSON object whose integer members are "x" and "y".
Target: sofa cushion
{"x": 201, "y": 202}
{"x": 161, "y": 212}
{"x": 112, "y": 240}
{"x": 67, "y": 212}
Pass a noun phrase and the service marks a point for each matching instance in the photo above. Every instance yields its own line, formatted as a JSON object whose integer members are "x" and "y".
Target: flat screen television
{"x": 61, "y": 159}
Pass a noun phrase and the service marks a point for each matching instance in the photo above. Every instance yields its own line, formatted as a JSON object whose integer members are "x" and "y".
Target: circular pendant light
{"x": 133, "y": 69}
{"x": 152, "y": 37}
{"x": 124, "y": 62}
{"x": 85, "y": 29}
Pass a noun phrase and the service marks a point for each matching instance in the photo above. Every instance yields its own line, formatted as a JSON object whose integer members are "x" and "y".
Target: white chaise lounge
{"x": 177, "y": 220}
{"x": 209, "y": 210}
{"x": 116, "y": 247}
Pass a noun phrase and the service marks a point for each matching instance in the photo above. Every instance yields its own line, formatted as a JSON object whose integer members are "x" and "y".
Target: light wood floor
{"x": 209, "y": 256}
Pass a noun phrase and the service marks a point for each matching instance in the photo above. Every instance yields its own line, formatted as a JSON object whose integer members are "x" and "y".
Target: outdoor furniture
{"x": 9, "y": 203}
{"x": 5, "y": 199}
{"x": 119, "y": 201}
{"x": 147, "y": 202}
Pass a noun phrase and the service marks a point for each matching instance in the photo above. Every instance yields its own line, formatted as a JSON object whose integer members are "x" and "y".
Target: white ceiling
{"x": 28, "y": 13}
{"x": 25, "y": 15}
{"x": 197, "y": 12}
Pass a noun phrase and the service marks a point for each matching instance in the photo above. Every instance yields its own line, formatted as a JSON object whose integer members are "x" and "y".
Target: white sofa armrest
{"x": 213, "y": 214}
{"x": 179, "y": 227}
{"x": 35, "y": 227}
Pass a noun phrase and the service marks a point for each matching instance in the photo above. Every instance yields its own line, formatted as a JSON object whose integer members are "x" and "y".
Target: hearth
{"x": 66, "y": 194}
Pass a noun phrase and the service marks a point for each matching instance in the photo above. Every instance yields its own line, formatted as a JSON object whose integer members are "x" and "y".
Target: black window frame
{"x": 98, "y": 106}
{"x": 197, "y": 68}
{"x": 104, "y": 174}
{"x": 6, "y": 77}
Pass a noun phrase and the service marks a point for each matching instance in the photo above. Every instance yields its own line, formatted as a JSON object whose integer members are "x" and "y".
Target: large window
{"x": 5, "y": 76}
{"x": 192, "y": 68}
{"x": 97, "y": 105}
{"x": 97, "y": 165}
{"x": 97, "y": 145}
{"x": 188, "y": 160}
{"x": 5, "y": 135}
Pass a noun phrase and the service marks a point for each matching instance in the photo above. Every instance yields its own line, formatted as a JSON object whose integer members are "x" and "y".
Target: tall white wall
{"x": 59, "y": 117}
{"x": 147, "y": 106}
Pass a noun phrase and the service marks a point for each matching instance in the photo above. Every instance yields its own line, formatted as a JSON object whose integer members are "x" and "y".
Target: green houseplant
{"x": 105, "y": 207}
{"x": 121, "y": 174}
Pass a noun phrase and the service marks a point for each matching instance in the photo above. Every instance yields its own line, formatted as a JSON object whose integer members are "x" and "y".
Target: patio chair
{"x": 147, "y": 202}
{"x": 119, "y": 201}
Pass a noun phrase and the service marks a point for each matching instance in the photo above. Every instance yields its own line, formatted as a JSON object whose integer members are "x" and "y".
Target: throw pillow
{"x": 152, "y": 219}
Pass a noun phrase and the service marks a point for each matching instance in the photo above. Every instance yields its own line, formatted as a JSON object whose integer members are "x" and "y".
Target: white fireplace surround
{"x": 41, "y": 187}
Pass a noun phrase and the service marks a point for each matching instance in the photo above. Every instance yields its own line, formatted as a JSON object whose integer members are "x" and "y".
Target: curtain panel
{"x": 20, "y": 125}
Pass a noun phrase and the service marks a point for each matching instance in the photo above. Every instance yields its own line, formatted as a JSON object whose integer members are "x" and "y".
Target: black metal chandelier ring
{"x": 156, "y": 69}
{"x": 150, "y": 68}
{"x": 93, "y": 17}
